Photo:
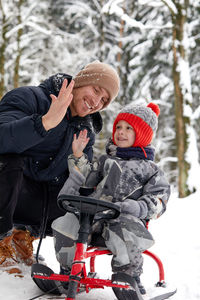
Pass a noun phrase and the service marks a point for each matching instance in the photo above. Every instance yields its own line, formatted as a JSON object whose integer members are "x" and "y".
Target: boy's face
{"x": 124, "y": 135}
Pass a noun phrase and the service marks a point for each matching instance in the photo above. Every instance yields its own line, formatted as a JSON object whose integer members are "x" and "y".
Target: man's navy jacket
{"x": 21, "y": 131}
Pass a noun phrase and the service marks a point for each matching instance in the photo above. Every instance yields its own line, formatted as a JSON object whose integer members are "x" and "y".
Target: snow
{"x": 185, "y": 80}
{"x": 171, "y": 6}
{"x": 193, "y": 179}
{"x": 177, "y": 244}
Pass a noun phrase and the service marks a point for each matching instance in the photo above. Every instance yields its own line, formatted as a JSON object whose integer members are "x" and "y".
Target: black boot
{"x": 131, "y": 293}
{"x": 65, "y": 271}
{"x": 140, "y": 285}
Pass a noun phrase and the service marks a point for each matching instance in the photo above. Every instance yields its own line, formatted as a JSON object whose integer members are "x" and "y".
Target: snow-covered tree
{"x": 185, "y": 134}
{"x": 154, "y": 45}
{"x": 6, "y": 24}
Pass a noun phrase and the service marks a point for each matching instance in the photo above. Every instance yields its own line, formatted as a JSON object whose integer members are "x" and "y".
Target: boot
{"x": 140, "y": 285}
{"x": 7, "y": 252}
{"x": 132, "y": 293}
{"x": 23, "y": 243}
{"x": 65, "y": 271}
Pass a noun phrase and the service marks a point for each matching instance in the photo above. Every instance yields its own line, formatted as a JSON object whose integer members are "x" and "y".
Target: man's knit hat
{"x": 100, "y": 74}
{"x": 143, "y": 119}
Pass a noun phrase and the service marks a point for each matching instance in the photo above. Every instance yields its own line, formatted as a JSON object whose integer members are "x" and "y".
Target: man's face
{"x": 87, "y": 100}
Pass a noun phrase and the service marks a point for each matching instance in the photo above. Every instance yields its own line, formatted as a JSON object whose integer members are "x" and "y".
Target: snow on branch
{"x": 38, "y": 28}
{"x": 170, "y": 4}
{"x": 112, "y": 8}
{"x": 26, "y": 14}
{"x": 13, "y": 30}
{"x": 185, "y": 79}
{"x": 141, "y": 26}
{"x": 196, "y": 114}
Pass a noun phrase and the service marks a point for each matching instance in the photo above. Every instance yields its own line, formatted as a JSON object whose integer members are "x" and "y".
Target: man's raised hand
{"x": 59, "y": 106}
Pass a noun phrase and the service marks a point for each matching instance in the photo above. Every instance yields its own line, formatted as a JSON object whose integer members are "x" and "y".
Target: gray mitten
{"x": 82, "y": 163}
{"x": 136, "y": 208}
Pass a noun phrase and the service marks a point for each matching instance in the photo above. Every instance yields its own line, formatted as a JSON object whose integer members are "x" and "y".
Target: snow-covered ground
{"x": 177, "y": 243}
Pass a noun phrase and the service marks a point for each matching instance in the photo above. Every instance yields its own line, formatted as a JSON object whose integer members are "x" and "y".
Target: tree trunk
{"x": 2, "y": 51}
{"x": 179, "y": 21}
{"x": 100, "y": 140}
{"x": 101, "y": 40}
{"x": 123, "y": 55}
{"x": 120, "y": 45}
{"x": 19, "y": 50}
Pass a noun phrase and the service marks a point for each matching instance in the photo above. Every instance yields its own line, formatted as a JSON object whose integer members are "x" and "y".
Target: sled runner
{"x": 79, "y": 280}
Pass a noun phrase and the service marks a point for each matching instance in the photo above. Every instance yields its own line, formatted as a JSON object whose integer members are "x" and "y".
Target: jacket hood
{"x": 97, "y": 122}
{"x": 52, "y": 85}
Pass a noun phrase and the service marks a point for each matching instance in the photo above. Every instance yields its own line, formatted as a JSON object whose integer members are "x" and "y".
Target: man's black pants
{"x": 22, "y": 199}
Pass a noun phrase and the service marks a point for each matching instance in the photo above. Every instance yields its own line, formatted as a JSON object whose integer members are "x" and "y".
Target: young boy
{"x": 128, "y": 176}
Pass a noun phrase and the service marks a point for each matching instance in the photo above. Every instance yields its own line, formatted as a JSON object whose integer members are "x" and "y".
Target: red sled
{"x": 79, "y": 279}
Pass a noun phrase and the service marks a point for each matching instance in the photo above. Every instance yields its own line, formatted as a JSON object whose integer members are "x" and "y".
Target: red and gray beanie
{"x": 143, "y": 119}
{"x": 100, "y": 74}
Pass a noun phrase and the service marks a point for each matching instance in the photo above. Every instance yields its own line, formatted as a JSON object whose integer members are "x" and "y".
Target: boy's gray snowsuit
{"x": 141, "y": 190}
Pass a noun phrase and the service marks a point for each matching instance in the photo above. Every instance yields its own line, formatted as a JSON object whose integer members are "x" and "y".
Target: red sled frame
{"x": 78, "y": 278}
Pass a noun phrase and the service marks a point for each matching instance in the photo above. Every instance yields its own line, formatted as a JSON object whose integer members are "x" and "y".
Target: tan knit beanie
{"x": 100, "y": 74}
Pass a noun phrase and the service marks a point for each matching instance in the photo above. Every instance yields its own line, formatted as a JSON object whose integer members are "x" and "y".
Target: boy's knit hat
{"x": 100, "y": 74}
{"x": 143, "y": 119}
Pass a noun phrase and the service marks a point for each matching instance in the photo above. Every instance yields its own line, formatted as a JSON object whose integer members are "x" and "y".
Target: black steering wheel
{"x": 82, "y": 204}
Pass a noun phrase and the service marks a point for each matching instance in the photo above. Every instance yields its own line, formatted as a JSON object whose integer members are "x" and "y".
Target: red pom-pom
{"x": 154, "y": 107}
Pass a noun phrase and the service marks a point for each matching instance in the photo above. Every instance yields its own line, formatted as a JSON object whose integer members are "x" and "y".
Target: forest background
{"x": 154, "y": 45}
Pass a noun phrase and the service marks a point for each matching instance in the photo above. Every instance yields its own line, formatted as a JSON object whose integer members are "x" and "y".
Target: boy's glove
{"x": 81, "y": 163}
{"x": 136, "y": 208}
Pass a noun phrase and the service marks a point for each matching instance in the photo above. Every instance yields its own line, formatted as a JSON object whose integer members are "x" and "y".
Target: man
{"x": 37, "y": 125}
